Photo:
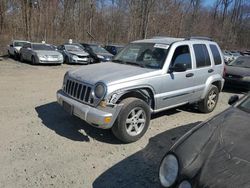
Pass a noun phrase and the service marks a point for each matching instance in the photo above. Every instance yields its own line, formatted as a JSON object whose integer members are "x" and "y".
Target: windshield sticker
{"x": 163, "y": 46}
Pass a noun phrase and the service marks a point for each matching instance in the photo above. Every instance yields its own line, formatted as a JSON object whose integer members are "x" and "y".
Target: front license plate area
{"x": 67, "y": 107}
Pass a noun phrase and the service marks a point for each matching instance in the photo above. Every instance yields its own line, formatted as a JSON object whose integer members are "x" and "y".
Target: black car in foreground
{"x": 237, "y": 74}
{"x": 214, "y": 153}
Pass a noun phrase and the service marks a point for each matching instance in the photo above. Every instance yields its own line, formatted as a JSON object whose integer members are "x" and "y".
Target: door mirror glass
{"x": 179, "y": 67}
{"x": 233, "y": 99}
{"x": 11, "y": 45}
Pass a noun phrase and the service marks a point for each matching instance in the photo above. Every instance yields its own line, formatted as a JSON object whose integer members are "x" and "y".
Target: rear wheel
{"x": 9, "y": 53}
{"x": 209, "y": 103}
{"x": 133, "y": 120}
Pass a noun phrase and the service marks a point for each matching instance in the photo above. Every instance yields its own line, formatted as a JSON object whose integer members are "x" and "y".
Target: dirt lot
{"x": 43, "y": 146}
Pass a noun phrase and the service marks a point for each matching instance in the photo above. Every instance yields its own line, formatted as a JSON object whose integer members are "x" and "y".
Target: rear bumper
{"x": 92, "y": 115}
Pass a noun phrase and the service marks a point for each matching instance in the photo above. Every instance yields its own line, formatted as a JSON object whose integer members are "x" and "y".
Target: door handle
{"x": 210, "y": 70}
{"x": 189, "y": 75}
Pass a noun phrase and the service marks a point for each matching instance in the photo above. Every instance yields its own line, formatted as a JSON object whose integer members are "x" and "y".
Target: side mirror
{"x": 233, "y": 99}
{"x": 11, "y": 45}
{"x": 179, "y": 67}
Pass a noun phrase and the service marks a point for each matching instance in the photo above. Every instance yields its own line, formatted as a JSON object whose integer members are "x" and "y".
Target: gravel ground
{"x": 43, "y": 146}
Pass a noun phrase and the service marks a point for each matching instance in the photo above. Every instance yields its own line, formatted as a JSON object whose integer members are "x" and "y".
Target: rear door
{"x": 203, "y": 66}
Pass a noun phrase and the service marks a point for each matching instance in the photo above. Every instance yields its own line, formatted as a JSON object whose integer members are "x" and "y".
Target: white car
{"x": 14, "y": 48}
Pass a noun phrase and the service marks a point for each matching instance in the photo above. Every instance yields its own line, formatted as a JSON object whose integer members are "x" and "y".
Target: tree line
{"x": 121, "y": 21}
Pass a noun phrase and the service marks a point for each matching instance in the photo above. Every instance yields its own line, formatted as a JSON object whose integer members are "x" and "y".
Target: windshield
{"x": 241, "y": 62}
{"x": 42, "y": 47}
{"x": 73, "y": 48}
{"x": 17, "y": 44}
{"x": 98, "y": 49}
{"x": 245, "y": 105}
{"x": 149, "y": 55}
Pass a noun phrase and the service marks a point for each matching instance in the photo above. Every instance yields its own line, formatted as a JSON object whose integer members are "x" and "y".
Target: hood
{"x": 47, "y": 52}
{"x": 18, "y": 48}
{"x": 217, "y": 154}
{"x": 241, "y": 71}
{"x": 78, "y": 53}
{"x": 109, "y": 73}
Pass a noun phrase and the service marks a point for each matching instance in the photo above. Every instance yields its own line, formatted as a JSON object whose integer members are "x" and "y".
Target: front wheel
{"x": 133, "y": 120}
{"x": 33, "y": 60}
{"x": 209, "y": 103}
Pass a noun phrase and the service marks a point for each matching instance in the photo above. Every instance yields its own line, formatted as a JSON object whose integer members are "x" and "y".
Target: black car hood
{"x": 241, "y": 71}
{"x": 217, "y": 154}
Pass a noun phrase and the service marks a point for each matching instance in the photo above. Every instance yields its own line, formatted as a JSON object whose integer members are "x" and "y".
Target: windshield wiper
{"x": 128, "y": 63}
{"x": 118, "y": 61}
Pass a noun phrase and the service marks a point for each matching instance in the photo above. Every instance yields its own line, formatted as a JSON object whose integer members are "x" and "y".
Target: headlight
{"x": 42, "y": 57}
{"x": 60, "y": 57}
{"x": 74, "y": 57}
{"x": 246, "y": 78}
{"x": 168, "y": 170}
{"x": 100, "y": 90}
{"x": 100, "y": 56}
{"x": 65, "y": 79}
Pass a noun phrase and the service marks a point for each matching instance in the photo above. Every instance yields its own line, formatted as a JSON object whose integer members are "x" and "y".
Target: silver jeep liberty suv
{"x": 147, "y": 76}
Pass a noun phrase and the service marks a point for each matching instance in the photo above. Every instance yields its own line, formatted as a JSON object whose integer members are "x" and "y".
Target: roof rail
{"x": 199, "y": 38}
{"x": 160, "y": 37}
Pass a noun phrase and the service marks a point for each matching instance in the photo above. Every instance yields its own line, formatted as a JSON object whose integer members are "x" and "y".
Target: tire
{"x": 66, "y": 61}
{"x": 21, "y": 58}
{"x": 132, "y": 121}
{"x": 33, "y": 60}
{"x": 9, "y": 53}
{"x": 209, "y": 103}
{"x": 15, "y": 56}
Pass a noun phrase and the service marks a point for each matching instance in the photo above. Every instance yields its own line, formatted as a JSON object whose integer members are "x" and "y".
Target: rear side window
{"x": 201, "y": 55}
{"x": 216, "y": 54}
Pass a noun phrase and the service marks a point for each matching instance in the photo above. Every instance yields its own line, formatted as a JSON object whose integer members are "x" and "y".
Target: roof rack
{"x": 199, "y": 38}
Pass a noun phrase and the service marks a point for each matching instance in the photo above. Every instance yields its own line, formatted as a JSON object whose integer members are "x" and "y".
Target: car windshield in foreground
{"x": 19, "y": 44}
{"x": 149, "y": 55}
{"x": 241, "y": 62}
{"x": 97, "y": 49}
{"x": 42, "y": 47}
{"x": 245, "y": 105}
{"x": 73, "y": 48}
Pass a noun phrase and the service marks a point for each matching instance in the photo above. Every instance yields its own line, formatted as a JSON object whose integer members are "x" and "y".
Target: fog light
{"x": 107, "y": 119}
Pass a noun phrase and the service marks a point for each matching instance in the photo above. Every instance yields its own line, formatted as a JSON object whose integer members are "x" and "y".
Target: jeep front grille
{"x": 79, "y": 91}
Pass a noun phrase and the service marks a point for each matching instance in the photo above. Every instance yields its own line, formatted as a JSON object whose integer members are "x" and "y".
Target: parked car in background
{"x": 147, "y": 76}
{"x": 113, "y": 48}
{"x": 237, "y": 73}
{"x": 74, "y": 54}
{"x": 214, "y": 153}
{"x": 98, "y": 53}
{"x": 228, "y": 57}
{"x": 14, "y": 48}
{"x": 235, "y": 54}
{"x": 40, "y": 53}
{"x": 246, "y": 53}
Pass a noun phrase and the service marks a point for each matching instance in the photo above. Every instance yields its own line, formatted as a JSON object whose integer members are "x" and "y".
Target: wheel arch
{"x": 216, "y": 80}
{"x": 146, "y": 94}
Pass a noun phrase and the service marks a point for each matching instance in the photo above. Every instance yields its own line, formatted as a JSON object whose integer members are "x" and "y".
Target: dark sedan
{"x": 98, "y": 53}
{"x": 237, "y": 73}
{"x": 213, "y": 154}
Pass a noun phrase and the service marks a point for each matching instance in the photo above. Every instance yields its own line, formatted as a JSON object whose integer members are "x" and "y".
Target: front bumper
{"x": 92, "y": 115}
{"x": 50, "y": 62}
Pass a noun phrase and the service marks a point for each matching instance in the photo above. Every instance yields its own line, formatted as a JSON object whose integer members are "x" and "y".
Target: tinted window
{"x": 241, "y": 62}
{"x": 201, "y": 55}
{"x": 42, "y": 47}
{"x": 182, "y": 56}
{"x": 216, "y": 54}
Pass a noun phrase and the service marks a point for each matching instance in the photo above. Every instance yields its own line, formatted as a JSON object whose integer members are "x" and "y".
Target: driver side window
{"x": 182, "y": 56}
